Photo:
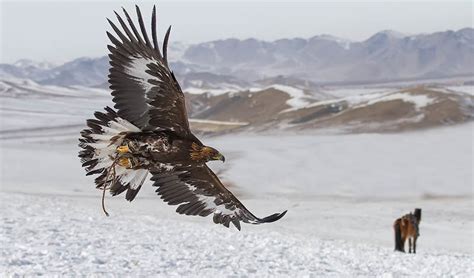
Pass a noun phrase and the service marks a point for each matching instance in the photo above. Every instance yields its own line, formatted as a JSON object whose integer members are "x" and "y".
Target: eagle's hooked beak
{"x": 220, "y": 157}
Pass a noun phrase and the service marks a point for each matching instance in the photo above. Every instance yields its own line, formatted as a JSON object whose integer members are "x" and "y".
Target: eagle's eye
{"x": 219, "y": 156}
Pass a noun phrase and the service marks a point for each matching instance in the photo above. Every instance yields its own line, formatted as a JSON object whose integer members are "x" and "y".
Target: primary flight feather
{"x": 148, "y": 133}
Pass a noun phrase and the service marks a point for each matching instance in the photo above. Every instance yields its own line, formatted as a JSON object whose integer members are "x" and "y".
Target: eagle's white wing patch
{"x": 104, "y": 148}
{"x": 138, "y": 68}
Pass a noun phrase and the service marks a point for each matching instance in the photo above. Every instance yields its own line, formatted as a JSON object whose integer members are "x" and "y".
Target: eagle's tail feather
{"x": 99, "y": 143}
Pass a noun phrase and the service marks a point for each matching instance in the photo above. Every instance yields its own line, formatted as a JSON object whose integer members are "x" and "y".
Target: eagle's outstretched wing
{"x": 198, "y": 191}
{"x": 144, "y": 89}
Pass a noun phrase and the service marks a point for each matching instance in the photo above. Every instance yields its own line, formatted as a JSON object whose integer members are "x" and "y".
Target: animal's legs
{"x": 403, "y": 243}
{"x": 414, "y": 244}
{"x": 398, "y": 235}
{"x": 409, "y": 245}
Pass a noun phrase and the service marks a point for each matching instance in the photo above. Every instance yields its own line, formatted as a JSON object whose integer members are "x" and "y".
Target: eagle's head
{"x": 205, "y": 153}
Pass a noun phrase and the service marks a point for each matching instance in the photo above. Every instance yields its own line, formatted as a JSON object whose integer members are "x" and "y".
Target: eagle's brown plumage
{"x": 149, "y": 133}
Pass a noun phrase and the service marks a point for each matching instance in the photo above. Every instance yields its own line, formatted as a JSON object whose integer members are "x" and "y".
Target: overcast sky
{"x": 59, "y": 31}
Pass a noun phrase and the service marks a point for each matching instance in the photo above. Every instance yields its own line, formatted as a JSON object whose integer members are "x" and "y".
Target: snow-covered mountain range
{"x": 386, "y": 55}
{"x": 324, "y": 59}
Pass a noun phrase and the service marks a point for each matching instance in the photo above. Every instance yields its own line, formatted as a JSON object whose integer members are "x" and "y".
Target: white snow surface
{"x": 211, "y": 91}
{"x": 345, "y": 92}
{"x": 26, "y": 104}
{"x": 66, "y": 236}
{"x": 463, "y": 89}
{"x": 298, "y": 99}
{"x": 419, "y": 101}
{"x": 297, "y": 96}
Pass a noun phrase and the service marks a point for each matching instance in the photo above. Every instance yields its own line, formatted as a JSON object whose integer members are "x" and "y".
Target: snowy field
{"x": 343, "y": 193}
{"x": 66, "y": 235}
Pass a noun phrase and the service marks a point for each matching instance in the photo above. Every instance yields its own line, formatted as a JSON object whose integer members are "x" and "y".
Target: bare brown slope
{"x": 267, "y": 110}
{"x": 254, "y": 108}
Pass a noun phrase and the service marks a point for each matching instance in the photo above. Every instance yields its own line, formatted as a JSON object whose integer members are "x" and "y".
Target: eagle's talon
{"x": 125, "y": 162}
{"x": 123, "y": 149}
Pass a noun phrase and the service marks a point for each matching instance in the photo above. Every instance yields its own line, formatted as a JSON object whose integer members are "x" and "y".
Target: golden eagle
{"x": 149, "y": 133}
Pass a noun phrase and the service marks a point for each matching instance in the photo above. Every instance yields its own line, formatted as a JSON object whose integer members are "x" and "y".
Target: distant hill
{"x": 324, "y": 59}
{"x": 275, "y": 108}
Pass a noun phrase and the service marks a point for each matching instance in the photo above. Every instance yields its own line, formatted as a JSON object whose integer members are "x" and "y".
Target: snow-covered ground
{"x": 29, "y": 105}
{"x": 463, "y": 89}
{"x": 343, "y": 193}
{"x": 349, "y": 92}
{"x": 66, "y": 235}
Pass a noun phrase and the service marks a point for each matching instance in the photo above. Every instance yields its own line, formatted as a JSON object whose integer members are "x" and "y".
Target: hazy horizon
{"x": 82, "y": 27}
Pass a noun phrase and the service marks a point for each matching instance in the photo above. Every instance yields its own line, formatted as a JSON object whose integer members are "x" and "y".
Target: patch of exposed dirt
{"x": 254, "y": 108}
